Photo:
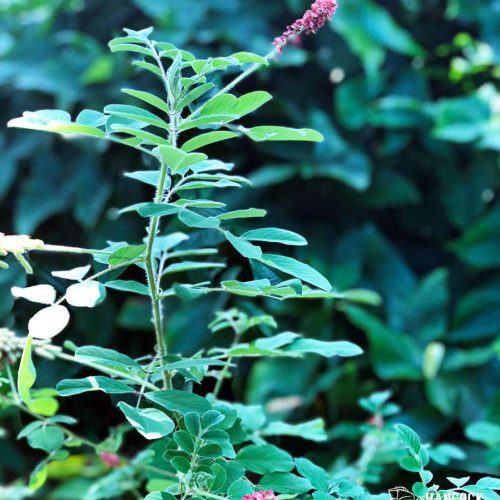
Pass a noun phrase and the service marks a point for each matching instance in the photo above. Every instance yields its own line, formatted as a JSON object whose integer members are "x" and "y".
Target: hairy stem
{"x": 150, "y": 262}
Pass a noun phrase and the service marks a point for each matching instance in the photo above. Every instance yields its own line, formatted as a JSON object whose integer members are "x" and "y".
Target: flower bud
{"x": 11, "y": 347}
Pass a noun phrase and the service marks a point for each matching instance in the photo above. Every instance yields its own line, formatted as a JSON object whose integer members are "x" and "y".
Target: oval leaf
{"x": 87, "y": 294}
{"x": 48, "y": 322}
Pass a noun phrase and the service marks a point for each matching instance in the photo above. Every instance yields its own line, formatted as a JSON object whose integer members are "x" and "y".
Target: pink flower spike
{"x": 260, "y": 495}
{"x": 110, "y": 459}
{"x": 312, "y": 21}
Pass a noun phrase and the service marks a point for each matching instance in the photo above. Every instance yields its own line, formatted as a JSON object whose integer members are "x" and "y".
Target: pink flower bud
{"x": 260, "y": 495}
{"x": 110, "y": 459}
{"x": 312, "y": 21}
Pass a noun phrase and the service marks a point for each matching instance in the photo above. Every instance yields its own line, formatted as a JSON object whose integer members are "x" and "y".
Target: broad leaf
{"x": 265, "y": 459}
{"x": 151, "y": 99}
{"x": 48, "y": 322}
{"x": 107, "y": 357}
{"x": 126, "y": 254}
{"x": 85, "y": 294}
{"x": 179, "y": 401}
{"x": 151, "y": 423}
{"x": 297, "y": 269}
{"x": 128, "y": 286}
{"x": 203, "y": 140}
{"x": 71, "y": 387}
{"x": 275, "y": 235}
{"x": 274, "y": 133}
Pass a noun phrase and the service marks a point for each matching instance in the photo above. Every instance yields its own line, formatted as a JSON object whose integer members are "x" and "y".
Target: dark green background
{"x": 400, "y": 198}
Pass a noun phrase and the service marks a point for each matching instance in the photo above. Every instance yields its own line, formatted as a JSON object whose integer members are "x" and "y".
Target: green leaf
{"x": 108, "y": 358}
{"x": 126, "y": 254}
{"x": 194, "y": 94}
{"x": 410, "y": 464}
{"x": 395, "y": 354}
{"x": 408, "y": 437}
{"x": 130, "y": 47}
{"x": 478, "y": 245}
{"x": 274, "y": 133}
{"x": 149, "y": 67}
{"x": 484, "y": 432}
{"x": 157, "y": 209}
{"x": 192, "y": 219}
{"x": 128, "y": 286}
{"x": 275, "y": 235}
{"x": 492, "y": 483}
{"x": 244, "y": 247}
{"x": 219, "y": 105}
{"x": 319, "y": 495}
{"x": 38, "y": 476}
{"x": 179, "y": 401}
{"x": 184, "y": 440}
{"x": 192, "y": 422}
{"x": 190, "y": 363}
{"x": 248, "y": 213}
{"x": 151, "y": 423}
{"x": 297, "y": 269}
{"x": 136, "y": 114}
{"x": 192, "y": 266}
{"x": 220, "y": 184}
{"x": 314, "y": 430}
{"x": 181, "y": 464}
{"x": 71, "y": 387}
{"x": 172, "y": 157}
{"x": 189, "y": 292}
{"x": 203, "y": 140}
{"x": 47, "y": 438}
{"x": 325, "y": 349}
{"x": 27, "y": 374}
{"x": 144, "y": 136}
{"x": 210, "y": 451}
{"x": 239, "y": 489}
{"x": 216, "y": 120}
{"x": 151, "y": 99}
{"x": 53, "y": 120}
{"x": 249, "y": 57}
{"x": 285, "y": 483}
{"x": 316, "y": 475}
{"x": 250, "y": 102}
{"x": 151, "y": 177}
{"x": 419, "y": 489}
{"x": 264, "y": 459}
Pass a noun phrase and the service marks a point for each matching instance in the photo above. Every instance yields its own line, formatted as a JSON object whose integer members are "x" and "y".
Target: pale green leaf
{"x": 275, "y": 235}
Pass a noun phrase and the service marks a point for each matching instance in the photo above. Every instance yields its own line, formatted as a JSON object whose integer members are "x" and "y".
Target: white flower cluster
{"x": 17, "y": 245}
{"x": 11, "y": 347}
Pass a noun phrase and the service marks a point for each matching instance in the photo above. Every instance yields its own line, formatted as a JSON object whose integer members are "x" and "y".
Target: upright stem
{"x": 152, "y": 277}
{"x": 225, "y": 370}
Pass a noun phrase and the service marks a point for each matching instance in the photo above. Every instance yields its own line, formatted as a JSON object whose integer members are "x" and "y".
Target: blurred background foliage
{"x": 400, "y": 199}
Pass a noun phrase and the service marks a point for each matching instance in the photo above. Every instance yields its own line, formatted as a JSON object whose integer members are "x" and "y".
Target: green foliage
{"x": 406, "y": 177}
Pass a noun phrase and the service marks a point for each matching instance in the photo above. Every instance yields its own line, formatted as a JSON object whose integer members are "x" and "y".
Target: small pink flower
{"x": 260, "y": 495}
{"x": 110, "y": 459}
{"x": 312, "y": 21}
